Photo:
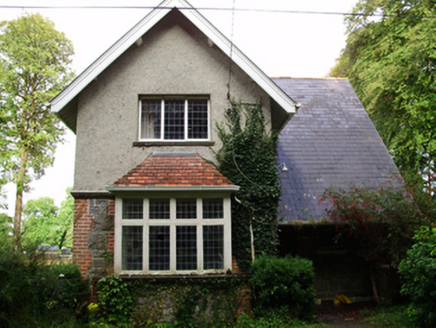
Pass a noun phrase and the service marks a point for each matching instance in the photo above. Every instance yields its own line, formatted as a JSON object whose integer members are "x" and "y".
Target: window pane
{"x": 174, "y": 119}
{"x": 150, "y": 119}
{"x": 132, "y": 248}
{"x": 186, "y": 208}
{"x": 159, "y": 247}
{"x": 159, "y": 209}
{"x": 186, "y": 246}
{"x": 213, "y": 208}
{"x": 133, "y": 208}
{"x": 197, "y": 119}
{"x": 213, "y": 247}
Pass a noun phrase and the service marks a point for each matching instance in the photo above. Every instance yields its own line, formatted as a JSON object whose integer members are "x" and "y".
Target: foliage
{"x": 45, "y": 224}
{"x": 394, "y": 316}
{"x": 33, "y": 294}
{"x": 274, "y": 318}
{"x": 391, "y": 64}
{"x": 64, "y": 221}
{"x": 5, "y": 225}
{"x": 115, "y": 300}
{"x": 34, "y": 60}
{"x": 247, "y": 158}
{"x": 284, "y": 283}
{"x": 418, "y": 270}
{"x": 39, "y": 216}
{"x": 381, "y": 220}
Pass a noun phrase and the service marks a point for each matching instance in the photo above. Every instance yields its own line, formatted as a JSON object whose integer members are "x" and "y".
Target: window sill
{"x": 172, "y": 143}
{"x": 188, "y": 276}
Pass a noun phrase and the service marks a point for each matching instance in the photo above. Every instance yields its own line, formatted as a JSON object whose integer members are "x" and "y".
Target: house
{"x": 144, "y": 113}
{"x": 145, "y": 116}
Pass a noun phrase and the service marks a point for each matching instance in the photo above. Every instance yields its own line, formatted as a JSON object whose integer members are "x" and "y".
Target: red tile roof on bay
{"x": 173, "y": 170}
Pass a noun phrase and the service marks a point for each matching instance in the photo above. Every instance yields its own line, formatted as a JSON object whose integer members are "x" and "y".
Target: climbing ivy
{"x": 248, "y": 159}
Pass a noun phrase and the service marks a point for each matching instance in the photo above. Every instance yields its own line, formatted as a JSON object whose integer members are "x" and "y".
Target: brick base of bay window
{"x": 93, "y": 242}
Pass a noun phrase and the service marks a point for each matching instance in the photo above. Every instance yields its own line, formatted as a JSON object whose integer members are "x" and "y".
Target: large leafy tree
{"x": 390, "y": 60}
{"x": 34, "y": 60}
{"x": 45, "y": 223}
{"x": 39, "y": 216}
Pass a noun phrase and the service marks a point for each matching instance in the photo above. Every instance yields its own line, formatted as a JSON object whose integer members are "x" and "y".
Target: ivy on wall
{"x": 248, "y": 159}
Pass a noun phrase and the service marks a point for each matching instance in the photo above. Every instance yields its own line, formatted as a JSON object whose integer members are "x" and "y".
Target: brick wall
{"x": 82, "y": 226}
{"x": 93, "y": 242}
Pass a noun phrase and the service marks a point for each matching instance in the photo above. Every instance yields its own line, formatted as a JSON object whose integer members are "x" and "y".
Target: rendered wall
{"x": 175, "y": 58}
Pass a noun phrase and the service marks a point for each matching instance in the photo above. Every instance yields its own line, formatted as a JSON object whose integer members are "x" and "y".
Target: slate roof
{"x": 331, "y": 141}
{"x": 173, "y": 170}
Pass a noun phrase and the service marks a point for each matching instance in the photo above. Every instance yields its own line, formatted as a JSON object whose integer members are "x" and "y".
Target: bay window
{"x": 172, "y": 235}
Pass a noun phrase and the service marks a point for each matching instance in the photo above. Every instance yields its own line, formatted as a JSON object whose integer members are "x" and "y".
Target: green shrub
{"x": 418, "y": 270}
{"x": 381, "y": 220}
{"x": 284, "y": 282}
{"x": 115, "y": 300}
{"x": 34, "y": 294}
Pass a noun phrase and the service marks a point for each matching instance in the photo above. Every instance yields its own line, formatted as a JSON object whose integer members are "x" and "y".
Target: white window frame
{"x": 162, "y": 127}
{"x": 173, "y": 222}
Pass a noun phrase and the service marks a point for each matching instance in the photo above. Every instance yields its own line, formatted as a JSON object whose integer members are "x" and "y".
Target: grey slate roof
{"x": 331, "y": 141}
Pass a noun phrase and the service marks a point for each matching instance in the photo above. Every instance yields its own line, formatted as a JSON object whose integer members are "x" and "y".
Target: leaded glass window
{"x": 186, "y": 247}
{"x": 213, "y": 208}
{"x": 151, "y": 119}
{"x": 159, "y": 209}
{"x": 174, "y": 119}
{"x": 132, "y": 237}
{"x": 167, "y": 235}
{"x": 187, "y": 208}
{"x": 159, "y": 248}
{"x": 213, "y": 247}
{"x": 133, "y": 208}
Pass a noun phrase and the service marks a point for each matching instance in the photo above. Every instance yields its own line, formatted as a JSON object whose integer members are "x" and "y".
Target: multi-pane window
{"x": 132, "y": 247}
{"x": 213, "y": 247}
{"x": 173, "y": 235}
{"x": 174, "y": 119}
{"x": 159, "y": 248}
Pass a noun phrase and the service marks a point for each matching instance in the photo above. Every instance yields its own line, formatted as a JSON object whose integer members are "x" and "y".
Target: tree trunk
{"x": 19, "y": 199}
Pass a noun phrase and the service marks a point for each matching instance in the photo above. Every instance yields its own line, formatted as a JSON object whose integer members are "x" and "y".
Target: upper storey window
{"x": 174, "y": 119}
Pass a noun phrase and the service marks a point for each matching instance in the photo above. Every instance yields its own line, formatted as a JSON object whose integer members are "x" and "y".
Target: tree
{"x": 34, "y": 60}
{"x": 418, "y": 273}
{"x": 45, "y": 223}
{"x": 64, "y": 221}
{"x": 39, "y": 225}
{"x": 390, "y": 61}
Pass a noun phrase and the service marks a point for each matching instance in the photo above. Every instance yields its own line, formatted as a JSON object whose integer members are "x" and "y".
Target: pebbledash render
{"x": 148, "y": 199}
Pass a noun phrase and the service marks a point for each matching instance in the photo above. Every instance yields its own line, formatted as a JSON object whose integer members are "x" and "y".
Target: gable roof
{"x": 65, "y": 102}
{"x": 172, "y": 171}
{"x": 331, "y": 141}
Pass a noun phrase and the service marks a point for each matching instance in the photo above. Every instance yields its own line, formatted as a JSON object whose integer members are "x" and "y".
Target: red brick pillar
{"x": 82, "y": 226}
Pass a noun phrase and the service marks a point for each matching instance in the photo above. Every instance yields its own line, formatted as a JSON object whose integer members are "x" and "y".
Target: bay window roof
{"x": 173, "y": 171}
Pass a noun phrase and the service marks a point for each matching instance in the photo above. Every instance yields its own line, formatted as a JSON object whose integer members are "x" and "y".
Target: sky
{"x": 284, "y": 38}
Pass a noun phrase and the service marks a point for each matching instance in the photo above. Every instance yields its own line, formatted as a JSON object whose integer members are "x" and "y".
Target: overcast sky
{"x": 292, "y": 43}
